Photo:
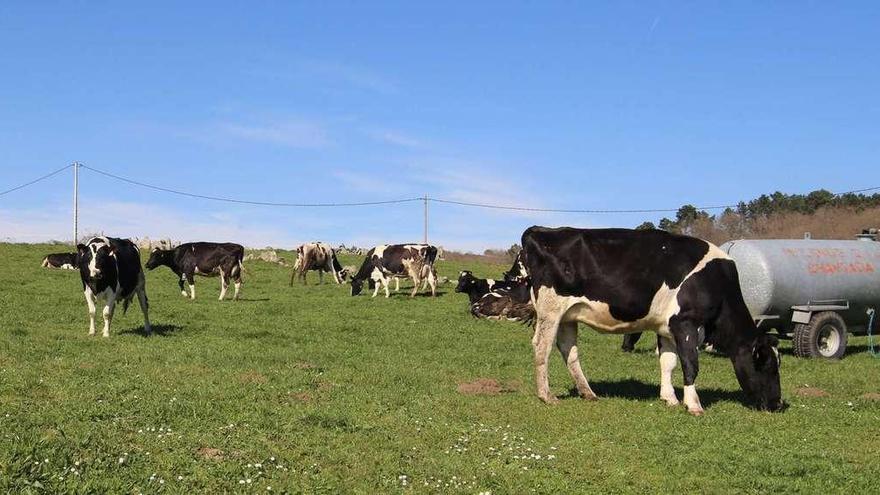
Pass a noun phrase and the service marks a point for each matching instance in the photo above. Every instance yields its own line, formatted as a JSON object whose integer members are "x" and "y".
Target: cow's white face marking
{"x": 95, "y": 245}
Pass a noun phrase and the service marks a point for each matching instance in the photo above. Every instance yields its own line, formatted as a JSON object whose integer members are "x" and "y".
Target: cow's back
{"x": 622, "y": 267}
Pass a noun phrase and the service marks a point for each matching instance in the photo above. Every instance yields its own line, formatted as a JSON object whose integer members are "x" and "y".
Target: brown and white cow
{"x": 387, "y": 262}
{"x": 320, "y": 257}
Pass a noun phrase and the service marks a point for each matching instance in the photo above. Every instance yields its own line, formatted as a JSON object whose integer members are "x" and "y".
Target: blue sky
{"x": 618, "y": 105}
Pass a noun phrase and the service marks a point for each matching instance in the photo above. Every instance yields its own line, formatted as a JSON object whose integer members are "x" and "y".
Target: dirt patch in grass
{"x": 303, "y": 397}
{"x": 871, "y": 396}
{"x": 210, "y": 453}
{"x": 811, "y": 392}
{"x": 252, "y": 376}
{"x": 486, "y": 386}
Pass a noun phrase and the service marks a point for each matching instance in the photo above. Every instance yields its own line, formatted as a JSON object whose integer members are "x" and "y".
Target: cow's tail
{"x": 45, "y": 262}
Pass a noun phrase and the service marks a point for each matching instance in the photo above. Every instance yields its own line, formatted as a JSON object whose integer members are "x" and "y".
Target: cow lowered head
{"x": 757, "y": 370}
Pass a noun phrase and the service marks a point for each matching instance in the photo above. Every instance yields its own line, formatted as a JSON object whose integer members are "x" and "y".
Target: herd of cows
{"x": 616, "y": 281}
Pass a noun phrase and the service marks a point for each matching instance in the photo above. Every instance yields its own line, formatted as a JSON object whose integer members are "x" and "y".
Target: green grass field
{"x": 308, "y": 390}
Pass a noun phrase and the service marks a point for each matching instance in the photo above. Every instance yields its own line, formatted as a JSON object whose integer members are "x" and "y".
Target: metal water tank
{"x": 779, "y": 278}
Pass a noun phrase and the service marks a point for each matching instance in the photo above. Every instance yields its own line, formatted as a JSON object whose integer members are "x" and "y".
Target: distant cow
{"x": 518, "y": 271}
{"x": 397, "y": 260}
{"x": 506, "y": 303}
{"x": 626, "y": 281}
{"x": 476, "y": 288}
{"x": 320, "y": 257}
{"x": 111, "y": 268}
{"x": 208, "y": 259}
{"x": 64, "y": 261}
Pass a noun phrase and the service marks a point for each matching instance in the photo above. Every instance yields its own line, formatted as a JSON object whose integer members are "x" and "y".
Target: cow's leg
{"x": 396, "y": 284}
{"x": 224, "y": 283}
{"x": 687, "y": 342}
{"x": 190, "y": 278}
{"x": 142, "y": 299}
{"x": 108, "y": 313}
{"x": 237, "y": 283}
{"x": 90, "y": 302}
{"x": 629, "y": 341}
{"x": 417, "y": 281}
{"x": 432, "y": 281}
{"x": 542, "y": 342}
{"x": 566, "y": 341}
{"x": 668, "y": 361}
{"x": 180, "y": 283}
{"x": 321, "y": 277}
{"x": 292, "y": 276}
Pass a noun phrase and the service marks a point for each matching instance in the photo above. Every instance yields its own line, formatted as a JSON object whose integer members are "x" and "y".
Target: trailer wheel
{"x": 824, "y": 336}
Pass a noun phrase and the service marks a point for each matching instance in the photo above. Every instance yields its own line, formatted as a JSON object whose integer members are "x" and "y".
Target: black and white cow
{"x": 385, "y": 262}
{"x": 625, "y": 281}
{"x": 476, "y": 288}
{"x": 64, "y": 261}
{"x": 111, "y": 268}
{"x": 511, "y": 302}
{"x": 317, "y": 256}
{"x": 208, "y": 259}
{"x": 518, "y": 271}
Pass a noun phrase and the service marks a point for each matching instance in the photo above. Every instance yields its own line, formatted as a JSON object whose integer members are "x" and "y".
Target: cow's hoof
{"x": 550, "y": 399}
{"x": 105, "y": 335}
{"x": 671, "y": 401}
{"x": 696, "y": 411}
{"x": 589, "y": 396}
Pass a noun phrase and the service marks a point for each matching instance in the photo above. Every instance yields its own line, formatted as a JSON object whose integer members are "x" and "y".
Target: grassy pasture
{"x": 308, "y": 390}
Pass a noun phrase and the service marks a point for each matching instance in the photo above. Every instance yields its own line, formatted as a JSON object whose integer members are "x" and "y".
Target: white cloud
{"x": 126, "y": 219}
{"x": 293, "y": 134}
{"x": 396, "y": 138}
{"x": 350, "y": 74}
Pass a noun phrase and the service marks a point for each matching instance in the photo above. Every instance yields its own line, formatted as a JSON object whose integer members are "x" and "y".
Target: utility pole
{"x": 425, "y": 199}
{"x": 75, "y": 202}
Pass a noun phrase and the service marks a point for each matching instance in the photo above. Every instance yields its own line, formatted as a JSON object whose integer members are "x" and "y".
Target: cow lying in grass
{"x": 64, "y": 261}
{"x": 476, "y": 288}
{"x": 511, "y": 303}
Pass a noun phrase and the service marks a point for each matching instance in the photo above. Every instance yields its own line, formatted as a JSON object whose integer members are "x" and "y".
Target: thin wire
{"x": 647, "y": 210}
{"x": 435, "y": 200}
{"x": 241, "y": 201}
{"x": 16, "y": 188}
{"x": 555, "y": 210}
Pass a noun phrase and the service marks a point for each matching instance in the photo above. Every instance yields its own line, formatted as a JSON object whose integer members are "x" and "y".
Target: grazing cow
{"x": 518, "y": 271}
{"x": 506, "y": 303}
{"x": 64, "y": 261}
{"x": 111, "y": 268}
{"x": 317, "y": 256}
{"x": 208, "y": 259}
{"x": 476, "y": 288}
{"x": 625, "y": 281}
{"x": 397, "y": 260}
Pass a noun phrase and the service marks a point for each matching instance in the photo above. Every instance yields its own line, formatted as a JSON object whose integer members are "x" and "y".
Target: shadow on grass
{"x": 254, "y": 299}
{"x": 634, "y": 389}
{"x": 850, "y": 350}
{"x": 160, "y": 330}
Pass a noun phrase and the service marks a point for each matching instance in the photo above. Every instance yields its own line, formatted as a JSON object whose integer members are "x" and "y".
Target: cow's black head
{"x": 159, "y": 257}
{"x": 97, "y": 258}
{"x": 343, "y": 274}
{"x": 757, "y": 369}
{"x": 517, "y": 271}
{"x": 466, "y": 280}
{"x": 357, "y": 285}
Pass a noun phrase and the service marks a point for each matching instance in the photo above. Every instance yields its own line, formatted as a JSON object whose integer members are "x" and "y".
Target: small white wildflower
{"x": 122, "y": 460}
